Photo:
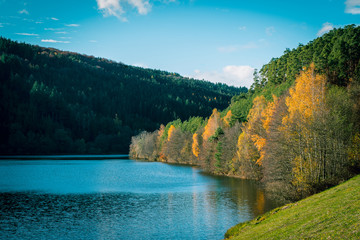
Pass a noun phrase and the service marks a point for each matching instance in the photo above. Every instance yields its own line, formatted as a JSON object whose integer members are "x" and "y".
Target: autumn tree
{"x": 212, "y": 125}
{"x": 195, "y": 145}
{"x": 143, "y": 146}
{"x": 227, "y": 119}
{"x": 276, "y": 163}
{"x": 229, "y": 147}
{"x": 251, "y": 141}
{"x": 170, "y": 132}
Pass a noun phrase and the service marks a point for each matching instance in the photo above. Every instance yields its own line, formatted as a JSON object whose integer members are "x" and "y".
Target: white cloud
{"x": 242, "y": 28}
{"x": 53, "y": 29}
{"x": 72, "y": 25}
{"x": 352, "y": 6}
{"x": 24, "y": 11}
{"x": 270, "y": 30}
{"x": 110, "y": 7}
{"x": 53, "y": 41}
{"x": 143, "y": 6}
{"x": 115, "y": 7}
{"x": 61, "y": 32}
{"x": 55, "y": 19}
{"x": 238, "y": 76}
{"x": 325, "y": 28}
{"x": 93, "y": 41}
{"x": 27, "y": 34}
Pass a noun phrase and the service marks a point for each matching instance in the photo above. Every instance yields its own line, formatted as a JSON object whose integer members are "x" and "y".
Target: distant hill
{"x": 57, "y": 102}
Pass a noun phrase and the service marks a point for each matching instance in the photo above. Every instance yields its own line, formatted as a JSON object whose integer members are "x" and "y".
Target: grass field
{"x": 332, "y": 214}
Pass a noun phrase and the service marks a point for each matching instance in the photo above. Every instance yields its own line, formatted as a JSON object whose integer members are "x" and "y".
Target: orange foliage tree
{"x": 227, "y": 119}
{"x": 195, "y": 145}
{"x": 170, "y": 132}
{"x": 251, "y": 141}
{"x": 212, "y": 124}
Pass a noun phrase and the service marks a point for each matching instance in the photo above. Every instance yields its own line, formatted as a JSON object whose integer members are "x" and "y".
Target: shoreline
{"x": 64, "y": 157}
{"x": 196, "y": 166}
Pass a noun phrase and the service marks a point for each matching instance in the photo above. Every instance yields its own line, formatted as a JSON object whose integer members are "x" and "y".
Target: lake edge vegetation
{"x": 297, "y": 130}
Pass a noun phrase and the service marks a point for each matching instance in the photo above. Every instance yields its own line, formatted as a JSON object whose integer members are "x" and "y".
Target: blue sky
{"x": 220, "y": 41}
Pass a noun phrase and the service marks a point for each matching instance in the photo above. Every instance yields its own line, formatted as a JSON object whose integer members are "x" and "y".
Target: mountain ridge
{"x": 57, "y": 102}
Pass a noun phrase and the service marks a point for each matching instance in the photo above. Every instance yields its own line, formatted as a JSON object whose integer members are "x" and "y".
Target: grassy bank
{"x": 332, "y": 214}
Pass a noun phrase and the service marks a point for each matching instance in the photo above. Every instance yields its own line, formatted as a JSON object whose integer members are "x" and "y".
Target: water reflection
{"x": 121, "y": 200}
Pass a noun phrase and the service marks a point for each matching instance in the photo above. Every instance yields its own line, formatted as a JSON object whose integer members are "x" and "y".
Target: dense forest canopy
{"x": 297, "y": 129}
{"x": 56, "y": 102}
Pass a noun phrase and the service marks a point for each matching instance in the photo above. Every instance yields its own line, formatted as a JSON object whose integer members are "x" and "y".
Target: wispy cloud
{"x": 24, "y": 11}
{"x": 352, "y": 6}
{"x": 55, "y": 19}
{"x": 270, "y": 30}
{"x": 242, "y": 28}
{"x": 143, "y": 6}
{"x": 233, "y": 75}
{"x": 61, "y": 32}
{"x": 72, "y": 25}
{"x": 27, "y": 34}
{"x": 53, "y": 29}
{"x": 53, "y": 41}
{"x": 228, "y": 49}
{"x": 93, "y": 41}
{"x": 115, "y": 7}
{"x": 325, "y": 28}
{"x": 4, "y": 24}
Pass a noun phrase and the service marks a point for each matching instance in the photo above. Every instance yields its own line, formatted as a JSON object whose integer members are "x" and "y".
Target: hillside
{"x": 57, "y": 102}
{"x": 297, "y": 129}
{"x": 332, "y": 214}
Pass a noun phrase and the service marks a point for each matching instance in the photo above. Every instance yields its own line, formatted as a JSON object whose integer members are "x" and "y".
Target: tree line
{"x": 58, "y": 102}
{"x": 297, "y": 130}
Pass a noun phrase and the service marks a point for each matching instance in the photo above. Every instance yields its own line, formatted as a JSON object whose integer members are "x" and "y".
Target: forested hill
{"x": 297, "y": 129}
{"x": 54, "y": 101}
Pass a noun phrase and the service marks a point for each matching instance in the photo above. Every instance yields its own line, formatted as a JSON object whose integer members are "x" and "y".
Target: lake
{"x": 121, "y": 199}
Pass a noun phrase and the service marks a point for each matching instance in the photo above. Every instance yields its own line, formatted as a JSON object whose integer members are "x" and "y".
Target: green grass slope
{"x": 332, "y": 214}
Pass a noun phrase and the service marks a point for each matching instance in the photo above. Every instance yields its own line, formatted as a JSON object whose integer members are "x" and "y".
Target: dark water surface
{"x": 120, "y": 199}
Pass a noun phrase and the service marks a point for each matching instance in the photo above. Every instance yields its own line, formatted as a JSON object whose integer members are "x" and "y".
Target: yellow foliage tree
{"x": 256, "y": 129}
{"x": 195, "y": 145}
{"x": 246, "y": 156}
{"x": 255, "y": 125}
{"x": 307, "y": 97}
{"x": 268, "y": 113}
{"x": 170, "y": 132}
{"x": 306, "y": 110}
{"x": 212, "y": 124}
{"x": 227, "y": 119}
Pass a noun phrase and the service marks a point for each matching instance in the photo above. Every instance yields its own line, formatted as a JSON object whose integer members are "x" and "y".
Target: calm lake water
{"x": 120, "y": 199}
